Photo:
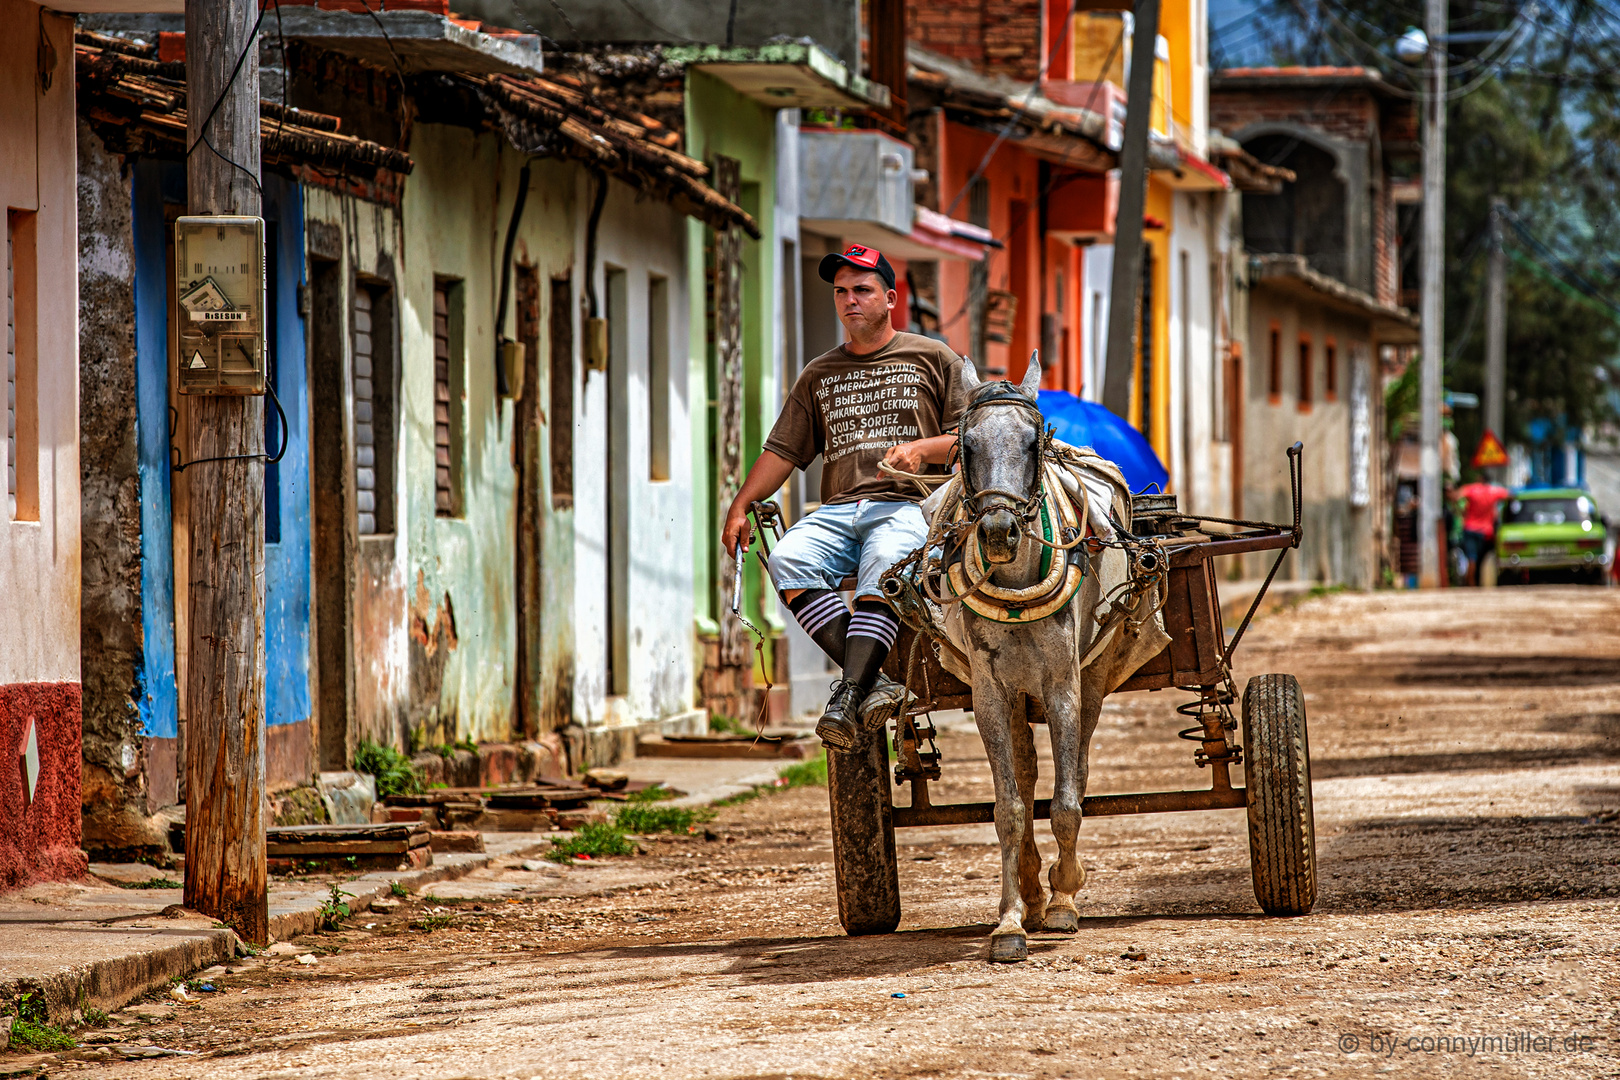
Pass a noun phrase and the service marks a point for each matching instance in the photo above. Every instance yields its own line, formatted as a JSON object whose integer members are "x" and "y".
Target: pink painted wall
{"x": 39, "y": 542}
{"x": 39, "y": 836}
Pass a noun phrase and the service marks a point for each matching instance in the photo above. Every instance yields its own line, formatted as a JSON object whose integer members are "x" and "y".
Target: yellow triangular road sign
{"x": 1490, "y": 454}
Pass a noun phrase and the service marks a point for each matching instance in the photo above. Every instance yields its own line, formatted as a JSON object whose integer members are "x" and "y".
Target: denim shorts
{"x": 859, "y": 539}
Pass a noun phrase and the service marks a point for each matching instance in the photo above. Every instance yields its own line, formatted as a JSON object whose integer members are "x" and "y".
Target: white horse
{"x": 1031, "y": 652}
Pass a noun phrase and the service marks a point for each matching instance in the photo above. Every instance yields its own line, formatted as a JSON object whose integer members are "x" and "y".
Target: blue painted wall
{"x": 287, "y": 513}
{"x": 155, "y": 183}
{"x": 287, "y": 550}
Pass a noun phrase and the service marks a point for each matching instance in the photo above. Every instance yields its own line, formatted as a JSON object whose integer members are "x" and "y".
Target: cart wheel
{"x": 1277, "y": 772}
{"x": 863, "y": 839}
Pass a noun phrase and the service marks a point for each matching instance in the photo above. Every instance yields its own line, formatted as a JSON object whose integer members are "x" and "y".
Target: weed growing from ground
{"x": 729, "y": 725}
{"x": 655, "y": 819}
{"x": 397, "y": 889}
{"x": 152, "y": 883}
{"x": 597, "y": 838}
{"x": 656, "y": 793}
{"x": 334, "y": 909}
{"x": 812, "y": 773}
{"x": 31, "y": 1028}
{"x": 394, "y": 772}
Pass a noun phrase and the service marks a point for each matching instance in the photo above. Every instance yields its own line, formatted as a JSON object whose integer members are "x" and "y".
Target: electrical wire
{"x": 202, "y": 129}
{"x": 281, "y": 414}
{"x": 1551, "y": 259}
{"x": 399, "y": 72}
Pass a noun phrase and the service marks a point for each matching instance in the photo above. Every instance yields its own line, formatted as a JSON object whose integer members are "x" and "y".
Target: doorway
{"x": 330, "y": 500}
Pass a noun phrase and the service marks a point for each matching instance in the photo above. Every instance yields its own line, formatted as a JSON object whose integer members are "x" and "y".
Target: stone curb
{"x": 114, "y": 982}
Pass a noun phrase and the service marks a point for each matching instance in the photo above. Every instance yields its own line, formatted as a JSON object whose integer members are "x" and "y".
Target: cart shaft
{"x": 1153, "y": 802}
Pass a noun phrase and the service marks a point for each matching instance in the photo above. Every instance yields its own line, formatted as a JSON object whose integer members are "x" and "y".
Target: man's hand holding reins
{"x": 912, "y": 456}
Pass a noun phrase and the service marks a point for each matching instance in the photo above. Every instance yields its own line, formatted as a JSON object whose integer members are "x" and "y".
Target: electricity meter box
{"x": 219, "y": 314}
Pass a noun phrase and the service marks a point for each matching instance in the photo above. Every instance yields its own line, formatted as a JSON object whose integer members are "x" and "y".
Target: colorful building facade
{"x": 40, "y": 690}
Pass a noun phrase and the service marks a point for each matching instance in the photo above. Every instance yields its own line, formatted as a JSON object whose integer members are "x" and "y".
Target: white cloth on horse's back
{"x": 1095, "y": 486}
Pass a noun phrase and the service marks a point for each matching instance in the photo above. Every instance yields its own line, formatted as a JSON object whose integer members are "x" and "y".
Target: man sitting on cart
{"x": 882, "y": 396}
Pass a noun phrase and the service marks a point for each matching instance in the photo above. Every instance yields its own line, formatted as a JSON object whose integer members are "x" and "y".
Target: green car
{"x": 1551, "y": 531}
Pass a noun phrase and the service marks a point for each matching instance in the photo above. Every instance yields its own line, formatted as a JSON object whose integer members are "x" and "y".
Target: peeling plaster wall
{"x": 550, "y": 240}
{"x": 369, "y": 239}
{"x": 435, "y": 602}
{"x": 454, "y": 218}
{"x": 645, "y": 240}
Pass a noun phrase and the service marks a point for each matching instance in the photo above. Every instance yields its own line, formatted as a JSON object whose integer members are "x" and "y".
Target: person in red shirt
{"x": 1478, "y": 502}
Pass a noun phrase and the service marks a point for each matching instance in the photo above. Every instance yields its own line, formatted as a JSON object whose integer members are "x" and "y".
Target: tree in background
{"x": 1534, "y": 117}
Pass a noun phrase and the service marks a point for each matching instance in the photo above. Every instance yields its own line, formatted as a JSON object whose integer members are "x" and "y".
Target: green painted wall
{"x": 722, "y": 121}
{"x": 453, "y": 227}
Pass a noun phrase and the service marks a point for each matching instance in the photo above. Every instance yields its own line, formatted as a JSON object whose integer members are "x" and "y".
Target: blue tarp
{"x": 1085, "y": 423}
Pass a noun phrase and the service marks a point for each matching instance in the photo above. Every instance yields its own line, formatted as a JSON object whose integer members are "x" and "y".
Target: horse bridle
{"x": 1022, "y": 507}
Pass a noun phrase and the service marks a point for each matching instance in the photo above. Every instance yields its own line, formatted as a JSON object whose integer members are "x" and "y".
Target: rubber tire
{"x": 1277, "y": 773}
{"x": 1488, "y": 571}
{"x": 863, "y": 838}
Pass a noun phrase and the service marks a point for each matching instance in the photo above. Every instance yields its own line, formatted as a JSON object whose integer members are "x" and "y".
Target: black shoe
{"x": 880, "y": 704}
{"x": 840, "y": 726}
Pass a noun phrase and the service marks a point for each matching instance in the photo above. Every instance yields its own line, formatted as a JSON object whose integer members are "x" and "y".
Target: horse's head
{"x": 1001, "y": 457}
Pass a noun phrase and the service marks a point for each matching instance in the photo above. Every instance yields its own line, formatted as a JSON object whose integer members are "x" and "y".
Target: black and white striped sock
{"x": 825, "y": 618}
{"x": 872, "y": 630}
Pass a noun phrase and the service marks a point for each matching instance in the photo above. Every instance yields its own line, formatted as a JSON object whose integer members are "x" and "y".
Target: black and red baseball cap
{"x": 861, "y": 258}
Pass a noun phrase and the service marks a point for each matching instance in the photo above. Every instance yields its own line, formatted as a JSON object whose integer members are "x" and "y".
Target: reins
{"x": 963, "y": 576}
{"x": 958, "y": 522}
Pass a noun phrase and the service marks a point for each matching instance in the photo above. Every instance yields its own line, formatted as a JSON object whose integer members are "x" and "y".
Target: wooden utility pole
{"x": 225, "y": 787}
{"x": 1430, "y": 512}
{"x": 1125, "y": 290}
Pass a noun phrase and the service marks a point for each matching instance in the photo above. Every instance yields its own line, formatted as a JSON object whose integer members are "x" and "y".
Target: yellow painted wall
{"x": 1176, "y": 27}
{"x": 1160, "y": 205}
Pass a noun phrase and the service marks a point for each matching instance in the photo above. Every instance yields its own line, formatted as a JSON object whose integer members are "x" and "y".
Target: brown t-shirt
{"x": 851, "y": 409}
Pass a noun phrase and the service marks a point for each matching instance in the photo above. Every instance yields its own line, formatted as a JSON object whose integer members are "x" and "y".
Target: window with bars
{"x": 448, "y": 369}
{"x": 1330, "y": 370}
{"x": 373, "y": 392}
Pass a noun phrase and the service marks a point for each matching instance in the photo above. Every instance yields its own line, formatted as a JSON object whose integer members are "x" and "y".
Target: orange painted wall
{"x": 1013, "y": 178}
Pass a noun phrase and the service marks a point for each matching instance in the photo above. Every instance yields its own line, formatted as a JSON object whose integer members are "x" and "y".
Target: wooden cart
{"x": 1274, "y": 751}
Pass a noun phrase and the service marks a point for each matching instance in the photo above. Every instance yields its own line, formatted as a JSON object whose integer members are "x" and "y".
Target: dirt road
{"x": 1466, "y": 752}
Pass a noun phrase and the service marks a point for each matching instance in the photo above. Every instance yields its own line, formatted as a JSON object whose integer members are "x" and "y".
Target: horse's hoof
{"x": 1062, "y": 921}
{"x": 1008, "y": 949}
